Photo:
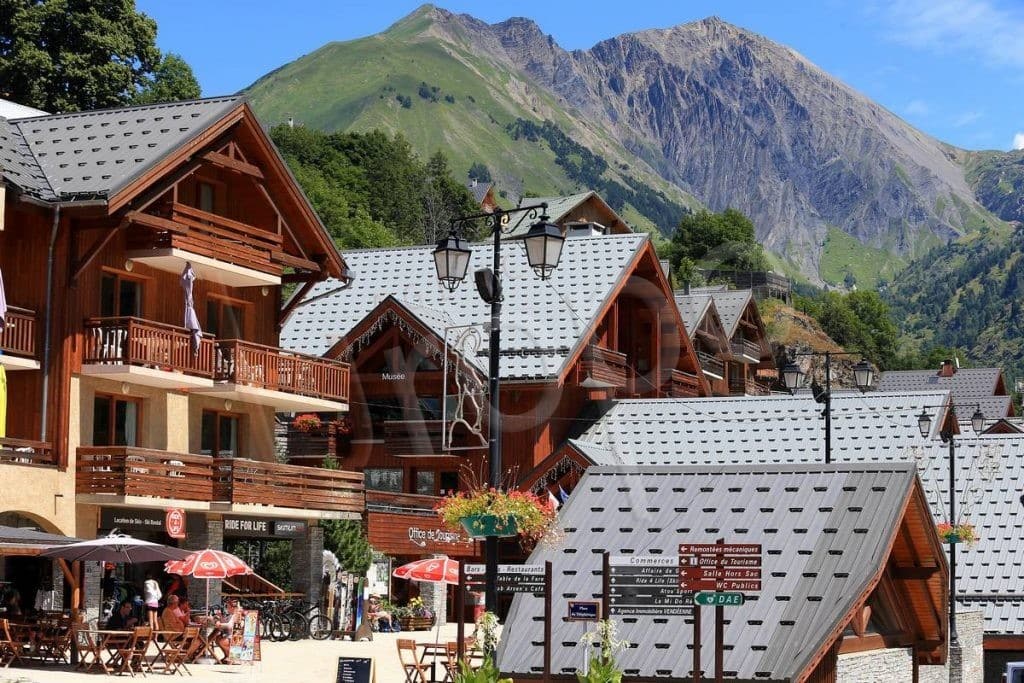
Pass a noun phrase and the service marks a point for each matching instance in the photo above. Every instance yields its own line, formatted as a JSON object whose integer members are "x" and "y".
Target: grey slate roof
{"x": 94, "y": 154}
{"x": 692, "y": 308}
{"x": 478, "y": 190}
{"x": 558, "y": 209}
{"x": 542, "y": 321}
{"x": 824, "y": 530}
{"x": 878, "y": 426}
{"x": 730, "y": 304}
{"x": 969, "y": 385}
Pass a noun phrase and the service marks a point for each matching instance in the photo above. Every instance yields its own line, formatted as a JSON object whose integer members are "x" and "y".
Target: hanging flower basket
{"x": 490, "y": 512}
{"x": 307, "y": 422}
{"x": 962, "y": 533}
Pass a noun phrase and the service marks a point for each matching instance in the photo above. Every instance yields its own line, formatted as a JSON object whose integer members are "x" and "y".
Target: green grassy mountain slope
{"x": 440, "y": 94}
{"x": 997, "y": 179}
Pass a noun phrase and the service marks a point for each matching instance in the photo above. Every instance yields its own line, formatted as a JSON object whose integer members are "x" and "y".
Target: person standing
{"x": 151, "y": 597}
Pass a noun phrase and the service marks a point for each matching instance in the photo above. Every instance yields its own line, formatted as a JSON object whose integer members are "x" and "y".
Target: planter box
{"x": 416, "y": 623}
{"x": 481, "y": 526}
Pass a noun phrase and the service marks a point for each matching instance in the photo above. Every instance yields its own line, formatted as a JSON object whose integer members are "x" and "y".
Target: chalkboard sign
{"x": 355, "y": 670}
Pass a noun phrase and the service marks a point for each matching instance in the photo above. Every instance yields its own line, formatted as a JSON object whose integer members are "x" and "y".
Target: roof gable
{"x": 826, "y": 532}
{"x": 969, "y": 386}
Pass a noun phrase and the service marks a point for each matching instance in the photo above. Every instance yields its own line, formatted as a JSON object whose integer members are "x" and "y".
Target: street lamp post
{"x": 543, "y": 242}
{"x": 794, "y": 379}
{"x": 924, "y": 423}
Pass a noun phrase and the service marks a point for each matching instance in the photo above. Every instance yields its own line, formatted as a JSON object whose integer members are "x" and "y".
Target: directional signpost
{"x": 646, "y": 585}
{"x": 722, "y": 572}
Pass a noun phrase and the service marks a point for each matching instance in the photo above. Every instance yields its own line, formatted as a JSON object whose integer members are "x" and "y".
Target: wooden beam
{"x": 914, "y": 573}
{"x": 96, "y": 248}
{"x": 281, "y": 221}
{"x": 66, "y": 570}
{"x": 156, "y": 222}
{"x": 224, "y": 161}
{"x": 296, "y": 299}
{"x": 294, "y": 261}
{"x": 1003, "y": 642}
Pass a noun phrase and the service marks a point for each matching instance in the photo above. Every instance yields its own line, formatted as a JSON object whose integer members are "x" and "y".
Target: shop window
{"x": 224, "y": 319}
{"x": 449, "y": 483}
{"x": 120, "y": 296}
{"x": 220, "y": 435}
{"x": 115, "y": 421}
{"x": 425, "y": 480}
{"x": 384, "y": 479}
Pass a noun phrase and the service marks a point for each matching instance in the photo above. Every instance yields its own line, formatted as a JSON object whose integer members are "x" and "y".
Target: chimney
{"x": 291, "y": 122}
{"x": 686, "y": 287}
{"x": 947, "y": 369}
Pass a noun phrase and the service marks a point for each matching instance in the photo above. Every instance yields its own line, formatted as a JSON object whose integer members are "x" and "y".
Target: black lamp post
{"x": 794, "y": 377}
{"x": 924, "y": 423}
{"x": 543, "y": 242}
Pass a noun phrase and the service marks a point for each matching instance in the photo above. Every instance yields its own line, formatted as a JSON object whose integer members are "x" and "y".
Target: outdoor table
{"x": 107, "y": 641}
{"x": 431, "y": 650}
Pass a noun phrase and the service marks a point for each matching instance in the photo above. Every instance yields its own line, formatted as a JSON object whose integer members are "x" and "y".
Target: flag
{"x": 551, "y": 499}
{"x": 562, "y": 494}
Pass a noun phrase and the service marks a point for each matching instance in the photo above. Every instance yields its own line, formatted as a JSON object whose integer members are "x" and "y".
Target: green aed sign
{"x": 718, "y": 599}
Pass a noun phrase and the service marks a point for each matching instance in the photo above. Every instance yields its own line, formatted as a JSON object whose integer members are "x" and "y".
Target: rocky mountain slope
{"x": 704, "y": 110}
{"x": 998, "y": 181}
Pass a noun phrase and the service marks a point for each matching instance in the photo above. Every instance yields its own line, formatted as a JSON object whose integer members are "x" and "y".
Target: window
{"x": 430, "y": 408}
{"x": 120, "y": 296}
{"x": 384, "y": 479}
{"x": 204, "y": 197}
{"x": 449, "y": 483}
{"x": 219, "y": 435}
{"x": 224, "y": 319}
{"x": 115, "y": 421}
{"x": 385, "y": 410}
{"x": 425, "y": 482}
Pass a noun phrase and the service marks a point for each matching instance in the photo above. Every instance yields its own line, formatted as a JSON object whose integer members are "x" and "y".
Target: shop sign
{"x": 407, "y": 534}
{"x": 174, "y": 522}
{"x": 422, "y": 537}
{"x": 129, "y": 519}
{"x": 260, "y": 527}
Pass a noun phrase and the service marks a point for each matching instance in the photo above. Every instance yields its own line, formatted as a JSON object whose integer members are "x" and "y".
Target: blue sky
{"x": 953, "y": 68}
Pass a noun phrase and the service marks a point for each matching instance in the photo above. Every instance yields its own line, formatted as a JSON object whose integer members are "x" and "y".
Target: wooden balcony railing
{"x": 679, "y": 384}
{"x": 709, "y": 363}
{"x": 413, "y": 437}
{"x": 128, "y": 471}
{"x": 744, "y": 350}
{"x": 747, "y": 386}
{"x": 25, "y": 452}
{"x": 267, "y": 367}
{"x": 201, "y": 232}
{"x": 253, "y": 482}
{"x": 408, "y": 503}
{"x": 133, "y": 341}
{"x": 18, "y": 336}
{"x": 604, "y": 366}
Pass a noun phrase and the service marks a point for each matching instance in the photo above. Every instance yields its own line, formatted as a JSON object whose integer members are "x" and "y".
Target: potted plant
{"x": 492, "y": 512}
{"x": 961, "y": 532}
{"x": 414, "y": 616}
{"x": 306, "y": 422}
{"x": 602, "y": 667}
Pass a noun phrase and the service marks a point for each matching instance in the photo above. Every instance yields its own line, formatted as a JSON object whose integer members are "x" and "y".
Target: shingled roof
{"x": 543, "y": 322}
{"x": 826, "y": 533}
{"x": 876, "y": 426}
{"x": 730, "y": 304}
{"x": 969, "y": 386}
{"x": 692, "y": 308}
{"x": 93, "y": 154}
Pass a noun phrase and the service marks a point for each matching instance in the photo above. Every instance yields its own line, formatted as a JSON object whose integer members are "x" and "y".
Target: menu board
{"x": 245, "y": 637}
{"x": 355, "y": 670}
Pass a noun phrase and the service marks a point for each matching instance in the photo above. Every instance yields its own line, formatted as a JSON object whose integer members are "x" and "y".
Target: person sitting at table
{"x": 122, "y": 619}
{"x": 172, "y": 618}
{"x": 224, "y": 628}
{"x": 379, "y": 616}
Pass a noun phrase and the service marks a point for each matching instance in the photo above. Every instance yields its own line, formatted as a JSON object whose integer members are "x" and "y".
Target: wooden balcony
{"x": 404, "y": 503}
{"x": 679, "y": 384}
{"x": 747, "y": 386}
{"x": 413, "y": 437}
{"x": 221, "y": 249}
{"x": 146, "y": 352}
{"x": 18, "y": 340}
{"x": 601, "y": 368}
{"x": 745, "y": 351}
{"x": 25, "y": 452}
{"x": 255, "y": 483}
{"x": 282, "y": 379}
{"x": 711, "y": 365}
{"x": 143, "y": 472}
{"x": 125, "y": 475}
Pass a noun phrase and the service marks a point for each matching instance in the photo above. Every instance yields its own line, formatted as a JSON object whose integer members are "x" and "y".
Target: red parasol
{"x": 209, "y": 564}
{"x": 432, "y": 570}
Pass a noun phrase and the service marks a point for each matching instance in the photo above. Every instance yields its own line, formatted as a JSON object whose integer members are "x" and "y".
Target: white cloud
{"x": 916, "y": 108}
{"x": 992, "y": 29}
{"x": 1018, "y": 141}
{"x": 967, "y": 118}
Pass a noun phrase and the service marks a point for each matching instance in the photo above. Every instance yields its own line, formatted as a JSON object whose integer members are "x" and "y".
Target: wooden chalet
{"x": 117, "y": 410}
{"x": 710, "y": 340}
{"x": 585, "y": 213}
{"x": 603, "y": 326}
{"x": 483, "y": 194}
{"x": 749, "y": 350}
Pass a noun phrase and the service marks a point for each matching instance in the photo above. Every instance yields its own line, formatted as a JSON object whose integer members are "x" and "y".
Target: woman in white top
{"x": 151, "y": 596}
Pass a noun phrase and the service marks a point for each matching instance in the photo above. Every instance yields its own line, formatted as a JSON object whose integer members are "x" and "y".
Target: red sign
{"x": 719, "y": 548}
{"x": 174, "y": 522}
{"x": 718, "y": 585}
{"x": 721, "y": 573}
{"x": 711, "y": 561}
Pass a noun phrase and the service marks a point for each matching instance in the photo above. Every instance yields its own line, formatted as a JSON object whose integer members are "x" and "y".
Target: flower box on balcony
{"x": 482, "y": 526}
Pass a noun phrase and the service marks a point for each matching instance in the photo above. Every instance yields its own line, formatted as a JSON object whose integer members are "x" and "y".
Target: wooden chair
{"x": 176, "y": 654}
{"x": 415, "y": 670}
{"x": 90, "y": 654}
{"x": 55, "y": 641}
{"x": 8, "y": 648}
{"x": 132, "y": 655}
{"x": 451, "y": 661}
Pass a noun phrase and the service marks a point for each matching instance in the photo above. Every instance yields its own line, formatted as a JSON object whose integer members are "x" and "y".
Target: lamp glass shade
{"x": 451, "y": 258}
{"x": 544, "y": 247}
{"x": 924, "y": 423}
{"x": 793, "y": 376}
{"x": 978, "y": 421}
{"x": 863, "y": 374}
